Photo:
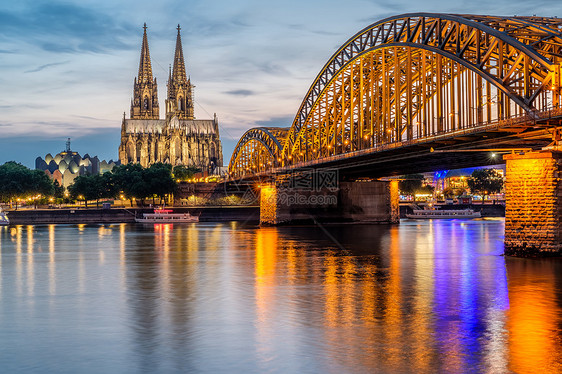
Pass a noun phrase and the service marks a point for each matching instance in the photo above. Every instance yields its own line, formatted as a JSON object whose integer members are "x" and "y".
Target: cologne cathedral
{"x": 179, "y": 139}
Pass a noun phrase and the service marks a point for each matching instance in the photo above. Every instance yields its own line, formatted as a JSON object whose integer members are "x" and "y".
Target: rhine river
{"x": 421, "y": 297}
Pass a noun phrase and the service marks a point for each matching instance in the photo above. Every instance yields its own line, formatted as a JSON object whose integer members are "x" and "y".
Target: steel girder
{"x": 511, "y": 65}
{"x": 258, "y": 149}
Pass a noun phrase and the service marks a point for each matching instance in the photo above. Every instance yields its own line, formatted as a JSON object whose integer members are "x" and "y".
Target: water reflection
{"x": 535, "y": 315}
{"x": 430, "y": 296}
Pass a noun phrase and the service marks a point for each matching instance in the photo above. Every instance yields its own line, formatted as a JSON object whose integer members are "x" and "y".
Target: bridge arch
{"x": 418, "y": 75}
{"x": 257, "y": 150}
{"x": 414, "y": 77}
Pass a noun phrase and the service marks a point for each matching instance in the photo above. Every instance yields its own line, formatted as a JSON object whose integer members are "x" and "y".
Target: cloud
{"x": 68, "y": 28}
{"x": 42, "y": 67}
{"x": 284, "y": 121}
{"x": 240, "y": 92}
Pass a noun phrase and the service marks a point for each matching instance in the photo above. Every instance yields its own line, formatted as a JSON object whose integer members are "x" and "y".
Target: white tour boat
{"x": 4, "y": 221}
{"x": 450, "y": 213}
{"x": 166, "y": 216}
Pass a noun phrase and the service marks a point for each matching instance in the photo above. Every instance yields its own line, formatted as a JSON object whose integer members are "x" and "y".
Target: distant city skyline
{"x": 68, "y": 67}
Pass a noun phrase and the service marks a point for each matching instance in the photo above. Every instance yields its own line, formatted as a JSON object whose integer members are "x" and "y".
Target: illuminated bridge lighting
{"x": 411, "y": 78}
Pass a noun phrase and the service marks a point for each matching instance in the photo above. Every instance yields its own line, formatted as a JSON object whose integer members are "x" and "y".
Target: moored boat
{"x": 4, "y": 221}
{"x": 446, "y": 213}
{"x": 166, "y": 216}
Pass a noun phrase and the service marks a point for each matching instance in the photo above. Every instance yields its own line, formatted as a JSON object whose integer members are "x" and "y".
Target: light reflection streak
{"x": 422, "y": 326}
{"x": 535, "y": 316}
{"x": 265, "y": 266}
{"x": 52, "y": 263}
{"x": 17, "y": 233}
{"x": 123, "y": 256}
{"x": 30, "y": 270}
{"x": 393, "y": 300}
{"x": 3, "y": 230}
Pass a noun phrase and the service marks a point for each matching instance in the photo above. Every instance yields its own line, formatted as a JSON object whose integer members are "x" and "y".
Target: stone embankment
{"x": 125, "y": 215}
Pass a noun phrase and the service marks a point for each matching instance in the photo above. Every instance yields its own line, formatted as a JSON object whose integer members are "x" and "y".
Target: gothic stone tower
{"x": 179, "y": 139}
{"x": 180, "y": 100}
{"x": 144, "y": 104}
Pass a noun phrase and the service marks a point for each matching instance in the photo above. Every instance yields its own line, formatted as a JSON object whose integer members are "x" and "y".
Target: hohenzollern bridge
{"x": 421, "y": 92}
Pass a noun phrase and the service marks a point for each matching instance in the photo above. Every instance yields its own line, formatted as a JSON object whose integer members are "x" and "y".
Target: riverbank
{"x": 127, "y": 215}
{"x": 207, "y": 214}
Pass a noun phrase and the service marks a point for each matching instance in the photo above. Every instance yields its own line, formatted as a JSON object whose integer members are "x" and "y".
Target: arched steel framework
{"x": 257, "y": 150}
{"x": 414, "y": 76}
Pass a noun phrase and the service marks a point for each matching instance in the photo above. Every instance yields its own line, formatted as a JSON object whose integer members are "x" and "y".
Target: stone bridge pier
{"x": 373, "y": 201}
{"x": 533, "y": 214}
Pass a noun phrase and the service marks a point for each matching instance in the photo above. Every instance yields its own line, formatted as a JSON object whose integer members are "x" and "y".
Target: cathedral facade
{"x": 179, "y": 138}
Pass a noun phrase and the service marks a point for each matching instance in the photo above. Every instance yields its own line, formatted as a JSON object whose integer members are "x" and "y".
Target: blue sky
{"x": 67, "y": 68}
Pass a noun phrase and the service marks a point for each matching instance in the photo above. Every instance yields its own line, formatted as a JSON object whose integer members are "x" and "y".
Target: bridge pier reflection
{"x": 373, "y": 201}
{"x": 533, "y": 214}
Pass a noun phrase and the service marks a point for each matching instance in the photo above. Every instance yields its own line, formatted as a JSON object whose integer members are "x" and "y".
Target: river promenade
{"x": 126, "y": 215}
{"x": 207, "y": 213}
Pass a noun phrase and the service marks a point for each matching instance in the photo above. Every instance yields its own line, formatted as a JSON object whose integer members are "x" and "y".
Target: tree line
{"x": 19, "y": 182}
{"x": 482, "y": 182}
{"x": 131, "y": 181}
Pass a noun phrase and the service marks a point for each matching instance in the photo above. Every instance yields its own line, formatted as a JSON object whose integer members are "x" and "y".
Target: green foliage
{"x": 134, "y": 181}
{"x": 485, "y": 182}
{"x": 18, "y": 181}
{"x": 410, "y": 184}
{"x": 450, "y": 192}
{"x": 158, "y": 178}
{"x": 93, "y": 187}
{"x": 58, "y": 190}
{"x": 182, "y": 172}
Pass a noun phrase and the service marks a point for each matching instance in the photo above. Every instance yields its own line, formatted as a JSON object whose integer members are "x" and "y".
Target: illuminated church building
{"x": 179, "y": 139}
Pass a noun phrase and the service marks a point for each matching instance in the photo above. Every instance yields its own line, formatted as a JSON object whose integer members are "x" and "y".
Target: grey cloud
{"x": 284, "y": 121}
{"x": 43, "y": 67}
{"x": 240, "y": 92}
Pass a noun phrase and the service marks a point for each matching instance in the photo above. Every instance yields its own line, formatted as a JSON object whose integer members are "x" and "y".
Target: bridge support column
{"x": 533, "y": 212}
{"x": 375, "y": 201}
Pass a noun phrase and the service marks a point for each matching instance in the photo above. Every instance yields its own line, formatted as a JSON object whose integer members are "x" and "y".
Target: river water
{"x": 422, "y": 296}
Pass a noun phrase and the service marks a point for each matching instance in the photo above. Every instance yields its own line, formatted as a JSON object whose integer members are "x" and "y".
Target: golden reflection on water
{"x": 534, "y": 316}
{"x": 52, "y": 263}
{"x": 17, "y": 236}
{"x": 123, "y": 255}
{"x": 265, "y": 265}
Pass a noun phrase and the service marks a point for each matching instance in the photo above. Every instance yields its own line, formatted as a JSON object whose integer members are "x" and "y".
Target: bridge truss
{"x": 412, "y": 78}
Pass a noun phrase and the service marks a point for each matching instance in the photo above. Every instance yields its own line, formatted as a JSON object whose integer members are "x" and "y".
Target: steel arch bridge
{"x": 411, "y": 78}
{"x": 259, "y": 149}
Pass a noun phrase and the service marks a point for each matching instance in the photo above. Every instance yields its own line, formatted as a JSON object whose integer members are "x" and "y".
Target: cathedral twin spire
{"x": 145, "y": 92}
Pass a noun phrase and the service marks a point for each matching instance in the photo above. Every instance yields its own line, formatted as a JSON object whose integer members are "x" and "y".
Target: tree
{"x": 410, "y": 184}
{"x": 85, "y": 187}
{"x": 450, "y": 192}
{"x": 485, "y": 182}
{"x": 58, "y": 190}
{"x": 17, "y": 180}
{"x": 182, "y": 172}
{"x": 413, "y": 184}
{"x": 129, "y": 180}
{"x": 158, "y": 178}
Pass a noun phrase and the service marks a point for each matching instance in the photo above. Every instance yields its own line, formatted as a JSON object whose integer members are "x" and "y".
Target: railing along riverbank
{"x": 127, "y": 215}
